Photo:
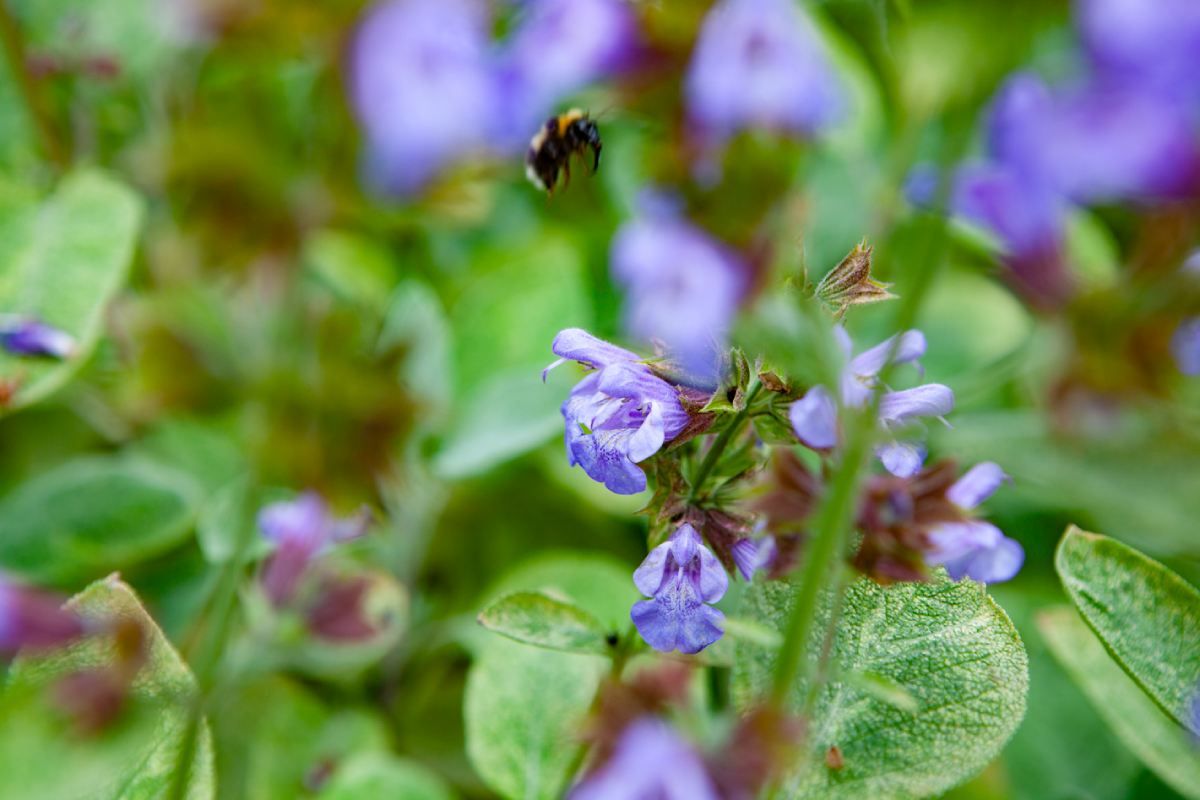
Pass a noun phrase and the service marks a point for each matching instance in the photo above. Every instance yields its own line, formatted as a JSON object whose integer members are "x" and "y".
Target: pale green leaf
{"x": 381, "y": 775}
{"x": 93, "y": 515}
{"x": 1146, "y": 615}
{"x": 163, "y": 684}
{"x": 945, "y": 645}
{"x": 355, "y": 267}
{"x": 539, "y": 619}
{"x": 61, "y": 261}
{"x": 1141, "y": 725}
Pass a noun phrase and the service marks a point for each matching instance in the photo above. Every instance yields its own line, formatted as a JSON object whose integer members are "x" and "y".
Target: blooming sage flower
{"x": 682, "y": 287}
{"x": 618, "y": 415}
{"x": 650, "y": 762}
{"x": 814, "y": 416}
{"x": 26, "y": 336}
{"x": 1156, "y": 45}
{"x": 32, "y": 618}
{"x": 681, "y": 577}
{"x": 973, "y": 548}
{"x": 760, "y": 64}
{"x": 301, "y": 529}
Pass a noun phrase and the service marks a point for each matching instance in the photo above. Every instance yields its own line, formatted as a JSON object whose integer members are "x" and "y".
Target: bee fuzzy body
{"x": 551, "y": 148}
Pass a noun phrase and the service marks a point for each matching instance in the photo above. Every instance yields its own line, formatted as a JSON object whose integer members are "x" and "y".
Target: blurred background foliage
{"x": 281, "y": 327}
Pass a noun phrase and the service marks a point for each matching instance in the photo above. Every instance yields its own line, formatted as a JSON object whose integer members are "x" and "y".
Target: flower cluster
{"x": 1125, "y": 130}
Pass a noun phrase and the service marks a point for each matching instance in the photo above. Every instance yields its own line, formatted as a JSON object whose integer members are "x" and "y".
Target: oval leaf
{"x": 1146, "y": 615}
{"x": 163, "y": 684}
{"x": 62, "y": 261}
{"x": 538, "y": 619}
{"x": 945, "y": 647}
{"x": 93, "y": 515}
{"x": 1140, "y": 724}
{"x": 383, "y": 775}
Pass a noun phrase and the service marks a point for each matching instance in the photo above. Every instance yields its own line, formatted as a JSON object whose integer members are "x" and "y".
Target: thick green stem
{"x": 14, "y": 52}
{"x": 718, "y": 447}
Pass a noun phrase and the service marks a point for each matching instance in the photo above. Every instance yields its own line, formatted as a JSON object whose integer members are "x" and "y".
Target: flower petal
{"x": 713, "y": 579}
{"x": 977, "y": 485}
{"x": 648, "y": 577}
{"x": 902, "y": 459}
{"x": 910, "y": 347}
{"x": 814, "y": 418}
{"x": 928, "y": 400}
{"x": 647, "y": 439}
{"x": 577, "y": 344}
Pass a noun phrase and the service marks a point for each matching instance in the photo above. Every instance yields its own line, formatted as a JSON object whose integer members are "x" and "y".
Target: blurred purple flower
{"x": 26, "y": 336}
{"x": 751, "y": 555}
{"x": 618, "y": 415}
{"x": 33, "y": 618}
{"x": 814, "y": 416}
{"x": 650, "y": 762}
{"x": 1185, "y": 346}
{"x": 301, "y": 529}
{"x": 681, "y": 576}
{"x": 558, "y": 47}
{"x": 1193, "y": 717}
{"x": 974, "y": 548}
{"x": 422, "y": 83}
{"x": 760, "y": 64}
{"x": 1154, "y": 44}
{"x": 1098, "y": 141}
{"x": 682, "y": 287}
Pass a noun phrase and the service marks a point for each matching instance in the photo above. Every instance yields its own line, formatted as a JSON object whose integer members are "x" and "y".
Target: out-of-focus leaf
{"x": 1154, "y": 737}
{"x": 524, "y": 705}
{"x": 946, "y": 644}
{"x": 93, "y": 515}
{"x": 511, "y": 414}
{"x": 536, "y": 618}
{"x": 1092, "y": 250}
{"x": 1146, "y": 615}
{"x": 355, "y": 267}
{"x": 416, "y": 321}
{"x": 163, "y": 684}
{"x": 62, "y": 261}
{"x": 381, "y": 775}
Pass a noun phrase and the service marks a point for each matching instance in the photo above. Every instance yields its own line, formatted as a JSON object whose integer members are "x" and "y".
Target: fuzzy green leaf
{"x": 1146, "y": 615}
{"x": 537, "y": 618}
{"x": 944, "y": 647}
{"x": 1141, "y": 725}
{"x": 382, "y": 775}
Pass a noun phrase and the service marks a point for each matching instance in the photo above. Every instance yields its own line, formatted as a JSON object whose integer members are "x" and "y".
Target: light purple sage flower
{"x": 560, "y": 46}
{"x": 650, "y": 762}
{"x": 33, "y": 618}
{"x": 751, "y": 555}
{"x": 423, "y": 85}
{"x": 973, "y": 548}
{"x": 681, "y": 576}
{"x": 26, "y": 336}
{"x": 760, "y": 64}
{"x": 682, "y": 287}
{"x": 1185, "y": 346}
{"x": 1097, "y": 141}
{"x": 618, "y": 415}
{"x": 1153, "y": 44}
{"x": 814, "y": 416}
{"x": 301, "y": 529}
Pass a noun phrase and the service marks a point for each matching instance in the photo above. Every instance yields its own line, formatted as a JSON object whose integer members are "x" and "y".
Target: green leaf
{"x": 163, "y": 684}
{"x": 1141, "y": 725}
{"x": 1146, "y": 615}
{"x": 62, "y": 261}
{"x": 945, "y": 645}
{"x": 93, "y": 515}
{"x": 355, "y": 267}
{"x": 382, "y": 775}
{"x": 416, "y": 321}
{"x": 537, "y": 618}
{"x": 524, "y": 705}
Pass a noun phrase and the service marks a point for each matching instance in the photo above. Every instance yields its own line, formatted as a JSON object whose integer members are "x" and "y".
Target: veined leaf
{"x": 537, "y": 618}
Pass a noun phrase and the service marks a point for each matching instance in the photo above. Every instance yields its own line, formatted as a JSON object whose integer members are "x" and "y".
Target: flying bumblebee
{"x": 551, "y": 148}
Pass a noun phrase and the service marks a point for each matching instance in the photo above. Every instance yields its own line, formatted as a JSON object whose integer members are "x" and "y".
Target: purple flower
{"x": 559, "y": 47}
{"x": 618, "y": 415}
{"x": 974, "y": 548}
{"x": 751, "y": 555}
{"x": 1101, "y": 141}
{"x": 760, "y": 64}
{"x": 682, "y": 287}
{"x": 26, "y": 336}
{"x": 301, "y": 529}
{"x": 1155, "y": 44}
{"x": 681, "y": 576}
{"x": 32, "y": 618}
{"x": 814, "y": 416}
{"x": 1185, "y": 346}
{"x": 422, "y": 84}
{"x": 650, "y": 762}
{"x": 1193, "y": 717}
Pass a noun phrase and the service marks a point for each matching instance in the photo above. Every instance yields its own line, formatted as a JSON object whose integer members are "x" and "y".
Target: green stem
{"x": 14, "y": 52}
{"x": 718, "y": 447}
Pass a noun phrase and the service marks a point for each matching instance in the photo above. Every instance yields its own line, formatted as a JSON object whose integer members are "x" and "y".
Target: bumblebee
{"x": 551, "y": 148}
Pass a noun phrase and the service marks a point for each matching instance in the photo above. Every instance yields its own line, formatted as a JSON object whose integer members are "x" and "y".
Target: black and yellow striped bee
{"x": 551, "y": 148}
